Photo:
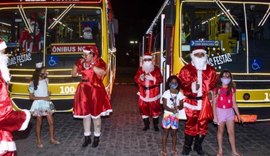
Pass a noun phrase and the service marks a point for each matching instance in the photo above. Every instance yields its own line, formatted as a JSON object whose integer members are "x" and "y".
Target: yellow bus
{"x": 54, "y": 32}
{"x": 236, "y": 34}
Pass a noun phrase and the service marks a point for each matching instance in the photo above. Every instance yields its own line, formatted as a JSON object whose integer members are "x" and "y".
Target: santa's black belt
{"x": 148, "y": 88}
{"x": 85, "y": 80}
{"x": 194, "y": 97}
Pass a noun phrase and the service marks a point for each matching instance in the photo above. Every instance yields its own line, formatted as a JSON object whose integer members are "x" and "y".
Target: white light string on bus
{"x": 266, "y": 15}
{"x": 57, "y": 20}
{"x": 224, "y": 9}
{"x": 23, "y": 12}
{"x": 227, "y": 12}
{"x": 27, "y": 25}
{"x": 157, "y": 17}
{"x": 210, "y": 19}
{"x": 44, "y": 34}
{"x": 247, "y": 39}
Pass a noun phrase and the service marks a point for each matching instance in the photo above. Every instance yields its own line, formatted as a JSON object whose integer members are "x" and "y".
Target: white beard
{"x": 148, "y": 66}
{"x": 3, "y": 67}
{"x": 199, "y": 63}
{"x": 87, "y": 35}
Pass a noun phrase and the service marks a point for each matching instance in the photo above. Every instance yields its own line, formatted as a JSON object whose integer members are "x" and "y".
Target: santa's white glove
{"x": 149, "y": 77}
{"x": 142, "y": 77}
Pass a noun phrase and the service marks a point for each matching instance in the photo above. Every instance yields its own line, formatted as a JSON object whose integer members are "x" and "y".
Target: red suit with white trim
{"x": 149, "y": 92}
{"x": 10, "y": 120}
{"x": 197, "y": 120}
{"x": 196, "y": 84}
{"x": 91, "y": 98}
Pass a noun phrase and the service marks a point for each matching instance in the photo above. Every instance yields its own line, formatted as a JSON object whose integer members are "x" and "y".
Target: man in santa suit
{"x": 148, "y": 78}
{"x": 10, "y": 120}
{"x": 87, "y": 33}
{"x": 197, "y": 80}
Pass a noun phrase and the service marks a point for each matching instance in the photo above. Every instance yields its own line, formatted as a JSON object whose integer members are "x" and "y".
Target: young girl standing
{"x": 224, "y": 108}
{"x": 38, "y": 89}
{"x": 172, "y": 100}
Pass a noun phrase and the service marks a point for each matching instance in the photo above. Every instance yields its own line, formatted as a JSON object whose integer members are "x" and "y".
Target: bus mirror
{"x": 115, "y": 25}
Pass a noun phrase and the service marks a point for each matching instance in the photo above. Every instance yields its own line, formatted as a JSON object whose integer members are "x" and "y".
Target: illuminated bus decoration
{"x": 235, "y": 34}
{"x": 54, "y": 32}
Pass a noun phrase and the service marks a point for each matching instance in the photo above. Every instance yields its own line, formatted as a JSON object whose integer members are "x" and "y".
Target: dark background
{"x": 134, "y": 18}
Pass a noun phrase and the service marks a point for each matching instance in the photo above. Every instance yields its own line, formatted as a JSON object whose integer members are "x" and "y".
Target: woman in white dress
{"x": 38, "y": 89}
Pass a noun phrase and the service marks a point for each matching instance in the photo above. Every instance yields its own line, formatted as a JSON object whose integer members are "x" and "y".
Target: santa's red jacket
{"x": 10, "y": 121}
{"x": 149, "y": 89}
{"x": 187, "y": 76}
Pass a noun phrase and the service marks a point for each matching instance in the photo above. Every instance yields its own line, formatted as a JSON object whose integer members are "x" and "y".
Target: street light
{"x": 133, "y": 54}
{"x": 133, "y": 42}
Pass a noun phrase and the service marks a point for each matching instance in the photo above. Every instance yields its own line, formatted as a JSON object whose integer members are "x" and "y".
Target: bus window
{"x": 259, "y": 37}
{"x": 207, "y": 25}
{"x": 67, "y": 36}
{"x": 23, "y": 29}
{"x": 67, "y": 32}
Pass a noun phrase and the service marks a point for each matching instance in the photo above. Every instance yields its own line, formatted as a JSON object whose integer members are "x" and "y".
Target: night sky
{"x": 134, "y": 17}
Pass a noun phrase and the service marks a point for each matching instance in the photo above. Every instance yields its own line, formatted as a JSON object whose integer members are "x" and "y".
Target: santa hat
{"x": 39, "y": 65}
{"x": 147, "y": 56}
{"x": 3, "y": 45}
{"x": 198, "y": 50}
{"x": 90, "y": 49}
{"x": 87, "y": 29}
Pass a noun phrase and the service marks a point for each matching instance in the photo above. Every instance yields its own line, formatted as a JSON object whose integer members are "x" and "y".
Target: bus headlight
{"x": 246, "y": 96}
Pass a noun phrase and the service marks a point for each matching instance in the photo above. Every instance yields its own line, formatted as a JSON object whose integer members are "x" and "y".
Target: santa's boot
{"x": 198, "y": 144}
{"x": 95, "y": 142}
{"x": 146, "y": 124}
{"x": 87, "y": 140}
{"x": 155, "y": 122}
{"x": 187, "y": 145}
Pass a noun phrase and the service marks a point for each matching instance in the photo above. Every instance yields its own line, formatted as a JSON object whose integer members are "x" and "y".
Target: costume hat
{"x": 147, "y": 56}
{"x": 3, "y": 44}
{"x": 39, "y": 65}
{"x": 198, "y": 50}
{"x": 90, "y": 49}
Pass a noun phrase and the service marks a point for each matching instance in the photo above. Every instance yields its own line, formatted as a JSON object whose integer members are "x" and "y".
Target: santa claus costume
{"x": 91, "y": 99}
{"x": 10, "y": 120}
{"x": 87, "y": 33}
{"x": 197, "y": 80}
{"x": 149, "y": 78}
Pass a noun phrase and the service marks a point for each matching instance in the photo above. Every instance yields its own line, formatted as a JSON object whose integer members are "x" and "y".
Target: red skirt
{"x": 91, "y": 101}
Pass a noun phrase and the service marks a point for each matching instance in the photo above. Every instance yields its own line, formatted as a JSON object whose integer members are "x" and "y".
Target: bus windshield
{"x": 230, "y": 33}
{"x": 55, "y": 36}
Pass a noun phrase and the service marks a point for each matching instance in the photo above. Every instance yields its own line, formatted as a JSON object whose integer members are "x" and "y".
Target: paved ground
{"x": 122, "y": 134}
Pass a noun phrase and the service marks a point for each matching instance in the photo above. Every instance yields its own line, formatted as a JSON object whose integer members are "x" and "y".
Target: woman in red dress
{"x": 91, "y": 100}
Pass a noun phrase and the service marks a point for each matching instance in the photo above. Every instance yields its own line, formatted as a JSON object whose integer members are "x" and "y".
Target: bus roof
{"x": 44, "y": 2}
{"x": 233, "y": 1}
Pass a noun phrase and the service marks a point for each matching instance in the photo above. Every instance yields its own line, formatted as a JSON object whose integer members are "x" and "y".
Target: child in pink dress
{"x": 224, "y": 108}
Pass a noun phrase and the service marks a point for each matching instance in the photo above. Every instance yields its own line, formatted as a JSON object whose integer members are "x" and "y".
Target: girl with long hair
{"x": 224, "y": 108}
{"x": 38, "y": 89}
